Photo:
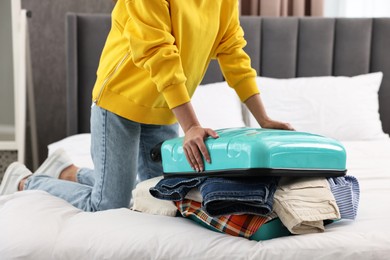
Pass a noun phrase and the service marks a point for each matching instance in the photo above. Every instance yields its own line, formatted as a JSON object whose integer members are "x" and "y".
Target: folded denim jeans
{"x": 176, "y": 188}
{"x": 227, "y": 196}
{"x": 222, "y": 196}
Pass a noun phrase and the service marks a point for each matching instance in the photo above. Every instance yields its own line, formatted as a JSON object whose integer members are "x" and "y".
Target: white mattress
{"x": 36, "y": 225}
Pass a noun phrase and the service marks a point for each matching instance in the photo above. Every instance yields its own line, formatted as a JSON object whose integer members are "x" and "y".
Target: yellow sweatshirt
{"x": 157, "y": 53}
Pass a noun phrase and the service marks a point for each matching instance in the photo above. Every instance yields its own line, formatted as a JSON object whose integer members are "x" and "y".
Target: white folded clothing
{"x": 143, "y": 201}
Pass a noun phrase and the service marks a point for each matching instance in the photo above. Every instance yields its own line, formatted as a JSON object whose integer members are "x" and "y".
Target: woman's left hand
{"x": 255, "y": 105}
{"x": 272, "y": 124}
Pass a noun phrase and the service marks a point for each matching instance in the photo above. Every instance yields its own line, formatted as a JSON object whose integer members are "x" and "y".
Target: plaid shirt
{"x": 236, "y": 225}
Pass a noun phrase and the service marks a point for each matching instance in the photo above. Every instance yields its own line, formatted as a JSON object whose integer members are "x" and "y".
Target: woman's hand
{"x": 195, "y": 148}
{"x": 256, "y": 107}
{"x": 193, "y": 145}
{"x": 269, "y": 123}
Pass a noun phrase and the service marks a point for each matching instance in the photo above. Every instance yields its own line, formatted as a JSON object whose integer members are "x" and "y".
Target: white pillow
{"x": 78, "y": 147}
{"x": 344, "y": 108}
{"x": 217, "y": 106}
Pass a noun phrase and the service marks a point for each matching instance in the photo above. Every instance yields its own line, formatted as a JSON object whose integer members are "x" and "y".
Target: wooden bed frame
{"x": 279, "y": 48}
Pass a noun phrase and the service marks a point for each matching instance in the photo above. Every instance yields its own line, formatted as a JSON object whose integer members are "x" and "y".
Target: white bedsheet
{"x": 36, "y": 225}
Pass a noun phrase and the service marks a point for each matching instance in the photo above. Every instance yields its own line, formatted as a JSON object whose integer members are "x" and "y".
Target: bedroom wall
{"x": 7, "y": 115}
{"x": 47, "y": 38}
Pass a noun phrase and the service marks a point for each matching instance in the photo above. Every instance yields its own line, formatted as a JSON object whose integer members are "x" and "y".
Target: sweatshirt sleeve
{"x": 235, "y": 62}
{"x": 153, "y": 48}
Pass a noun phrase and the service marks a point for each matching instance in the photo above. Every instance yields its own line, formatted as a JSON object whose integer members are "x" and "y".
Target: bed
{"x": 339, "y": 67}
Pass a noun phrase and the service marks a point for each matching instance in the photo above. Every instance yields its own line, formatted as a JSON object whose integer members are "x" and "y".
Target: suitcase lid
{"x": 275, "y": 152}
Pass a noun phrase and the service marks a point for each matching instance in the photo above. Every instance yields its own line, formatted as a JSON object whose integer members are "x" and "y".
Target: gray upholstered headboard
{"x": 279, "y": 47}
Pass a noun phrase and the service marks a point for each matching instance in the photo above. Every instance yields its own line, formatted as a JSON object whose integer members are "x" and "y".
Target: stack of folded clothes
{"x": 257, "y": 208}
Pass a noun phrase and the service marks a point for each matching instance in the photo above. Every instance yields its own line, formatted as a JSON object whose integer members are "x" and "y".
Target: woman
{"x": 155, "y": 56}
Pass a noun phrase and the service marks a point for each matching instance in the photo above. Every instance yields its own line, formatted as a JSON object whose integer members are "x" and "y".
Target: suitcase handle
{"x": 155, "y": 153}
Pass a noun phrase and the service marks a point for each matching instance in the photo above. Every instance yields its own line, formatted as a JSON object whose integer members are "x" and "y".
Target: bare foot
{"x": 69, "y": 173}
{"x": 21, "y": 183}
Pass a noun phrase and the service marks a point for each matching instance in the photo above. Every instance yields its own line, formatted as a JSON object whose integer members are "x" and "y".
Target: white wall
{"x": 6, "y": 68}
{"x": 357, "y": 8}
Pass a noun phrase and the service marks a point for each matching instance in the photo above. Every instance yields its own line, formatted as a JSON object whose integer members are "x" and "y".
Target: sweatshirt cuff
{"x": 246, "y": 88}
{"x": 176, "y": 95}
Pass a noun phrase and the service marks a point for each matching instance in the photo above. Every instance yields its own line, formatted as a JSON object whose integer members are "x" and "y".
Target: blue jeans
{"x": 222, "y": 196}
{"x": 120, "y": 150}
{"x": 227, "y": 196}
{"x": 175, "y": 189}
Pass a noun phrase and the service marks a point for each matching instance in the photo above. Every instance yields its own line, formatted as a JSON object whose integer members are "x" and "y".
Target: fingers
{"x": 203, "y": 148}
{"x": 195, "y": 149}
{"x": 289, "y": 127}
{"x": 205, "y": 152}
{"x": 191, "y": 158}
{"x": 286, "y": 126}
{"x": 278, "y": 125}
{"x": 211, "y": 132}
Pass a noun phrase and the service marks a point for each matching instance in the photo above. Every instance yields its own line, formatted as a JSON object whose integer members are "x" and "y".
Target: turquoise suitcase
{"x": 260, "y": 152}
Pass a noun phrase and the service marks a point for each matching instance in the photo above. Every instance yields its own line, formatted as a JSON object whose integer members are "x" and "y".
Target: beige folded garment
{"x": 143, "y": 201}
{"x": 303, "y": 203}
